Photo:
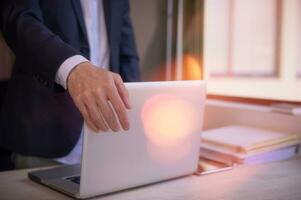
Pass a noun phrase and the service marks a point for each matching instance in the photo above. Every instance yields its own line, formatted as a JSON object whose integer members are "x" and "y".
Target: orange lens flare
{"x": 191, "y": 68}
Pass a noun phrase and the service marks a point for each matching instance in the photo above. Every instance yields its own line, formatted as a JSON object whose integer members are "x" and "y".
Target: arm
{"x": 99, "y": 86}
{"x": 129, "y": 59}
{"x": 25, "y": 33}
{"x": 89, "y": 87}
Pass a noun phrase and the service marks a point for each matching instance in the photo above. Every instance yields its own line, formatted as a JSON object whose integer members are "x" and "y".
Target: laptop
{"x": 162, "y": 143}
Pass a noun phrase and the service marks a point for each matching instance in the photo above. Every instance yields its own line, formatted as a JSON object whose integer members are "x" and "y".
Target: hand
{"x": 97, "y": 93}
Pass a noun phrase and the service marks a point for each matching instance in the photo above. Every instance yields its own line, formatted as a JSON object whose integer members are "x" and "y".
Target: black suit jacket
{"x": 38, "y": 116}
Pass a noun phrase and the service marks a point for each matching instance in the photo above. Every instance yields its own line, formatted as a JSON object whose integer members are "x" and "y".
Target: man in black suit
{"x": 53, "y": 83}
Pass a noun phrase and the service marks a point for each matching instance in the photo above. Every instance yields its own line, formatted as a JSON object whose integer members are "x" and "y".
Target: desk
{"x": 279, "y": 180}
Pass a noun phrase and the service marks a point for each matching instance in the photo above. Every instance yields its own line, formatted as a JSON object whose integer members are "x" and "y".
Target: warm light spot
{"x": 168, "y": 121}
{"x": 191, "y": 68}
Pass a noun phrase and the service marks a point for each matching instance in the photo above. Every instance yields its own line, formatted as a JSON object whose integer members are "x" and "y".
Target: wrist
{"x": 77, "y": 70}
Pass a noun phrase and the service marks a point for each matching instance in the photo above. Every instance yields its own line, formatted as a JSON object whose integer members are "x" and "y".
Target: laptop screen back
{"x": 163, "y": 141}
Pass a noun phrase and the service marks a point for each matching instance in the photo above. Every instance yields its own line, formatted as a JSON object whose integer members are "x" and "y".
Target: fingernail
{"x": 127, "y": 127}
{"x": 116, "y": 129}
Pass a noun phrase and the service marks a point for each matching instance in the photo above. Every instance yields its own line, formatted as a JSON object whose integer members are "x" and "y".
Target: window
{"x": 243, "y": 43}
{"x": 252, "y": 48}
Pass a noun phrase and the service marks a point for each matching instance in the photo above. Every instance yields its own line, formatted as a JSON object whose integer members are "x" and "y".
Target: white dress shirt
{"x": 93, "y": 14}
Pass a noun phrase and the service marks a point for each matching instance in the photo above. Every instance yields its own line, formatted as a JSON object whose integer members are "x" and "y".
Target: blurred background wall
{"x": 149, "y": 20}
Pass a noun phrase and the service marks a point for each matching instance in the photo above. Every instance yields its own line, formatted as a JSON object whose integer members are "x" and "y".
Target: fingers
{"x": 96, "y": 117}
{"x": 87, "y": 119}
{"x": 107, "y": 112}
{"x": 98, "y": 112}
{"x": 93, "y": 113}
{"x": 122, "y": 91}
{"x": 119, "y": 108}
{"x": 101, "y": 97}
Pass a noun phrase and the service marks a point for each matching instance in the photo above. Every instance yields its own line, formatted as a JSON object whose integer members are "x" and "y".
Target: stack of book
{"x": 235, "y": 145}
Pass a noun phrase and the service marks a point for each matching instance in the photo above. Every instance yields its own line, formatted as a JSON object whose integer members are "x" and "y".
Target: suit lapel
{"x": 79, "y": 15}
{"x": 107, "y": 13}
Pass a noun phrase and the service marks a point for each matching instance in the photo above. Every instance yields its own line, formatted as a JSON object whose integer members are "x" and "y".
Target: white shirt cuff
{"x": 66, "y": 67}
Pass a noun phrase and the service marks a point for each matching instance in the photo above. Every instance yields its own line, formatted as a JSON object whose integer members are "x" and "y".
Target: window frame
{"x": 285, "y": 83}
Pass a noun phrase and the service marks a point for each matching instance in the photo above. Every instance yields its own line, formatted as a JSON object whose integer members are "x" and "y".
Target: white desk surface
{"x": 278, "y": 180}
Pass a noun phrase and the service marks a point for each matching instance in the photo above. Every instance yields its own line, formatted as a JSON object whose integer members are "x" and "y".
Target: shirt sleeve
{"x": 66, "y": 67}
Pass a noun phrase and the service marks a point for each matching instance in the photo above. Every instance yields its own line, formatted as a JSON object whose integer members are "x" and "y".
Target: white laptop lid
{"x": 163, "y": 141}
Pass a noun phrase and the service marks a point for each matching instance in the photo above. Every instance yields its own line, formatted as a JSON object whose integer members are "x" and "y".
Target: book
{"x": 241, "y": 139}
{"x": 232, "y": 159}
{"x": 226, "y": 151}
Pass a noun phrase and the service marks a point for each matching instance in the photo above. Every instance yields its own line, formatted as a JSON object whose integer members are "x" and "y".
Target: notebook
{"x": 241, "y": 139}
{"x": 231, "y": 159}
{"x": 221, "y": 149}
